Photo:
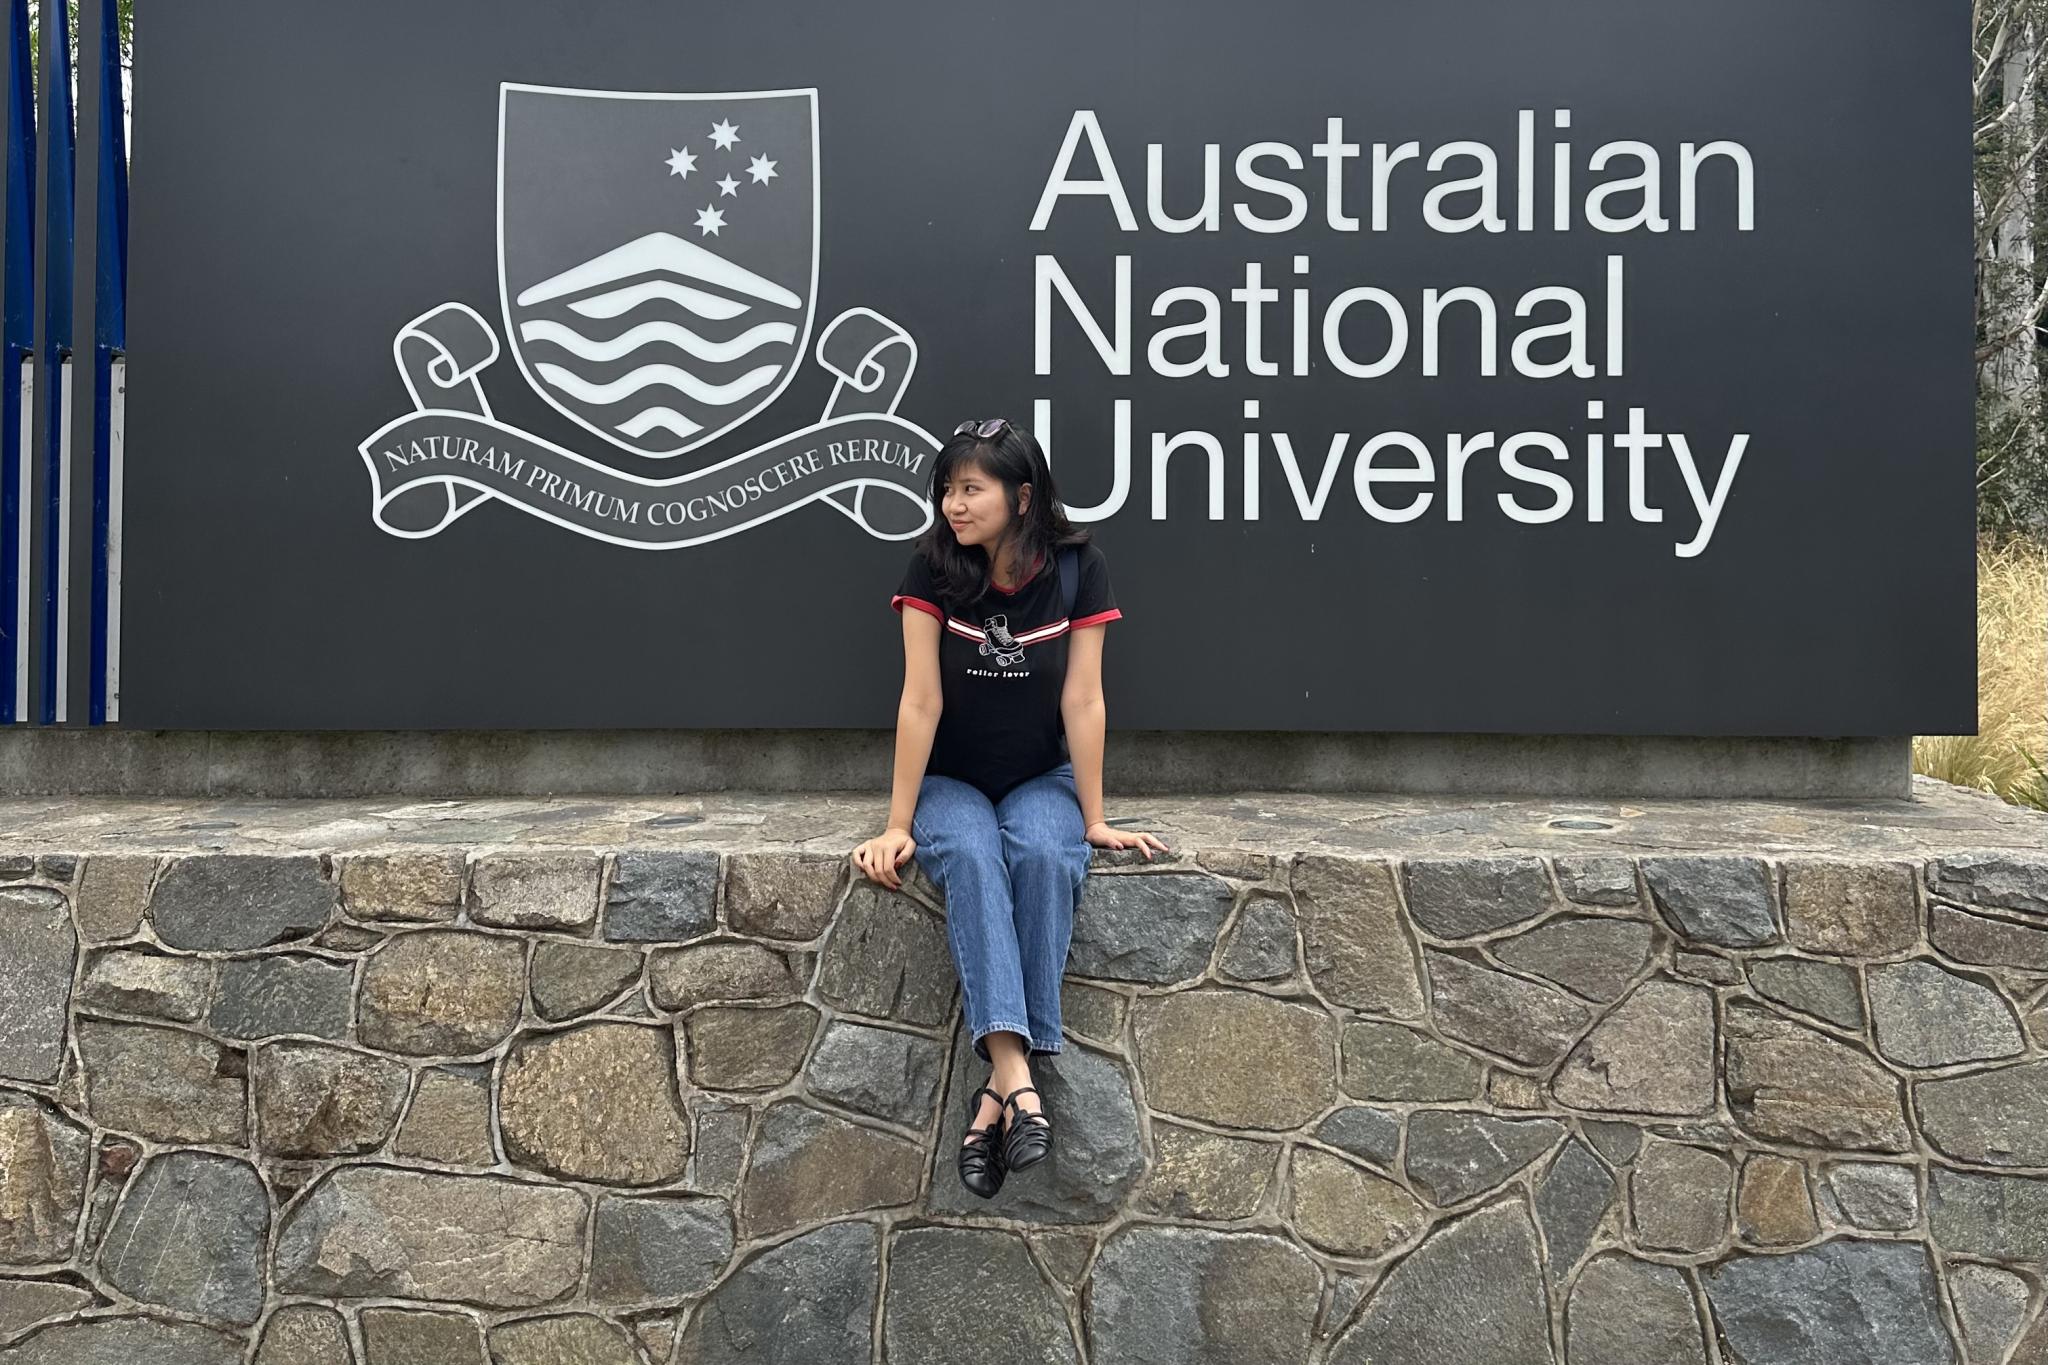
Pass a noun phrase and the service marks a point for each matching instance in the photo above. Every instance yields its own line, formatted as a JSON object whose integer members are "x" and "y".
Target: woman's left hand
{"x": 1103, "y": 835}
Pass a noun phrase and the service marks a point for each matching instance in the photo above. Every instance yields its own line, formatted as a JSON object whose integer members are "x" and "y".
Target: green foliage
{"x": 125, "y": 13}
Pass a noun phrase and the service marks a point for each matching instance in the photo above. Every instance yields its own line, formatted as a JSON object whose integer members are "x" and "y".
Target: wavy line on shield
{"x": 656, "y": 333}
{"x": 647, "y": 376}
{"x": 662, "y": 252}
{"x": 617, "y": 302}
{"x": 659, "y": 419}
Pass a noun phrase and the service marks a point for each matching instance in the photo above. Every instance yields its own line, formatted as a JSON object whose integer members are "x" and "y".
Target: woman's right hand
{"x": 880, "y": 856}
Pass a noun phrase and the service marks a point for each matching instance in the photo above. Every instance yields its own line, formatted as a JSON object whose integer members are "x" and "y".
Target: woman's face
{"x": 972, "y": 503}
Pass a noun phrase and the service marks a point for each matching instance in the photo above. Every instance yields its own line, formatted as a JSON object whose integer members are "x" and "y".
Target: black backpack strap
{"x": 1070, "y": 578}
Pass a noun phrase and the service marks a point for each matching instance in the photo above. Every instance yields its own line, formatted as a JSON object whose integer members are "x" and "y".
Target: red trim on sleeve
{"x": 899, "y": 599}
{"x": 1097, "y": 619}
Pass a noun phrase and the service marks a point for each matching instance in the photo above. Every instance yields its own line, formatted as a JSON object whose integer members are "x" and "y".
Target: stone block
{"x": 574, "y": 978}
{"x": 1678, "y": 1198}
{"x": 782, "y": 895}
{"x": 808, "y": 1166}
{"x": 1840, "y": 1303}
{"x": 1926, "y": 1015}
{"x": 1773, "y": 1206}
{"x": 445, "y": 992}
{"x": 1464, "y": 897}
{"x": 1990, "y": 1118}
{"x": 190, "y": 1236}
{"x": 139, "y": 981}
{"x": 1628, "y": 1312}
{"x": 1236, "y": 1057}
{"x": 595, "y": 1102}
{"x": 887, "y": 958}
{"x": 1347, "y": 1210}
{"x": 535, "y": 891}
{"x": 313, "y": 1100}
{"x": 38, "y": 949}
{"x": 403, "y": 1336}
{"x": 662, "y": 897}
{"x": 1790, "y": 1083}
{"x": 449, "y": 1119}
{"x": 1508, "y": 1016}
{"x": 113, "y": 895}
{"x": 1156, "y": 928}
{"x": 1472, "y": 1292}
{"x": 805, "y": 1301}
{"x": 658, "y": 1248}
{"x": 561, "y": 1339}
{"x": 163, "y": 1083}
{"x": 1864, "y": 908}
{"x": 421, "y": 888}
{"x": 1654, "y": 1054}
{"x": 946, "y": 1285}
{"x": 1393, "y": 1062}
{"x": 738, "y": 1047}
{"x": 1261, "y": 946}
{"x": 43, "y": 1158}
{"x": 1203, "y": 1175}
{"x": 1454, "y": 1156}
{"x": 1355, "y": 940}
{"x": 1825, "y": 990}
{"x": 231, "y": 902}
{"x": 277, "y": 993}
{"x": 891, "y": 1075}
{"x": 679, "y": 978}
{"x": 1717, "y": 899}
{"x": 1201, "y": 1297}
{"x": 1588, "y": 955}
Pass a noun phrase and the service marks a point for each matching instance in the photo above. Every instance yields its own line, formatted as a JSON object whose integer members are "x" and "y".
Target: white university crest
{"x": 657, "y": 276}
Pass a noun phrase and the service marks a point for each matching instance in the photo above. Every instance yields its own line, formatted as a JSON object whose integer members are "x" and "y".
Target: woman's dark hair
{"x": 959, "y": 574}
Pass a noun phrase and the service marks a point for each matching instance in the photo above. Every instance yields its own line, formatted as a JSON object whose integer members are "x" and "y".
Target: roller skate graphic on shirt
{"x": 1000, "y": 642}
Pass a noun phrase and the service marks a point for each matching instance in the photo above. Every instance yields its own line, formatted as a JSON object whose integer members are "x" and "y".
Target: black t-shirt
{"x": 1002, "y": 663}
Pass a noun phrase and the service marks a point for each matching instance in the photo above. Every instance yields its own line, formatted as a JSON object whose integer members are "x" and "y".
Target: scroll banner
{"x": 434, "y": 465}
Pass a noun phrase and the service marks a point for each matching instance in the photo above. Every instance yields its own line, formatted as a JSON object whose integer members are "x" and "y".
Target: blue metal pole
{"x": 17, "y": 341}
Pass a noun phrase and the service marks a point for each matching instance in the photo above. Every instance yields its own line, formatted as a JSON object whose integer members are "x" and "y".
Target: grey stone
{"x": 1872, "y": 1194}
{"x": 1092, "y": 1012}
{"x": 1629, "y": 1312}
{"x": 1236, "y": 1057}
{"x": 1505, "y": 1015}
{"x": 1653, "y": 1054}
{"x": 887, "y": 958}
{"x": 1711, "y": 968}
{"x": 658, "y": 1248}
{"x": 719, "y": 1146}
{"x": 1096, "y": 1160}
{"x": 190, "y": 1236}
{"x": 1392, "y": 1062}
{"x": 595, "y": 1102}
{"x": 128, "y": 1340}
{"x": 535, "y": 891}
{"x": 1999, "y": 1217}
{"x": 1594, "y": 957}
{"x": 449, "y": 1120}
{"x": 137, "y": 981}
{"x": 574, "y": 978}
{"x": 1791, "y": 1083}
{"x": 1355, "y": 940}
{"x": 2000, "y": 879}
{"x": 1571, "y": 1200}
{"x": 1461, "y": 897}
{"x": 1724, "y": 900}
{"x": 1926, "y": 1015}
{"x": 1471, "y": 1294}
{"x": 782, "y": 895}
{"x": 562, "y": 1339}
{"x": 260, "y": 997}
{"x": 878, "y": 1071}
{"x": 304, "y": 1334}
{"x": 43, "y": 1158}
{"x": 1618, "y": 1142}
{"x": 1190, "y": 1296}
{"x": 1678, "y": 1197}
{"x": 1989, "y": 940}
{"x": 1347, "y": 1210}
{"x": 1453, "y": 1156}
{"x": 1374, "y": 1134}
{"x": 442, "y": 992}
{"x": 1261, "y": 947}
{"x": 400, "y": 1336}
{"x": 738, "y": 1047}
{"x": 313, "y": 1100}
{"x": 807, "y": 1166}
{"x": 1598, "y": 881}
{"x": 57, "y": 867}
{"x": 1824, "y": 990}
{"x": 946, "y": 1285}
{"x": 374, "y": 1231}
{"x": 807, "y": 1301}
{"x": 1064, "y": 1255}
{"x": 1867, "y": 909}
{"x": 1992, "y": 1118}
{"x": 38, "y": 949}
{"x": 24, "y": 1303}
{"x": 1991, "y": 1307}
{"x": 404, "y": 887}
{"x": 1840, "y": 1303}
{"x": 1199, "y": 1174}
{"x": 354, "y": 939}
{"x": 228, "y": 902}
{"x": 113, "y": 895}
{"x": 661, "y": 897}
{"x": 1389, "y": 1061}
{"x": 1154, "y": 927}
{"x": 679, "y": 978}
{"x": 163, "y": 1083}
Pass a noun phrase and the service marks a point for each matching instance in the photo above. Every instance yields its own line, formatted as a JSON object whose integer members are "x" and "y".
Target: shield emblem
{"x": 657, "y": 255}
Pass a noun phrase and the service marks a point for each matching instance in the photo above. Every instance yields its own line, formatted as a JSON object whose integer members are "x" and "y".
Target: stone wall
{"x": 624, "y": 1108}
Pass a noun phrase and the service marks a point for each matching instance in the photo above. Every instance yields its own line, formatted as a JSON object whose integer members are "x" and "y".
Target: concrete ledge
{"x": 662, "y": 1081}
{"x": 461, "y": 763}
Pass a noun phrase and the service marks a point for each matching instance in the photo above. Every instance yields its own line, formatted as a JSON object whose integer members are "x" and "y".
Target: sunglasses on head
{"x": 987, "y": 431}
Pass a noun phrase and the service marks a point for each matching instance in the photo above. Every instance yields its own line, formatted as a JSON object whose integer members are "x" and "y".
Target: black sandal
{"x": 1027, "y": 1138}
{"x": 981, "y": 1156}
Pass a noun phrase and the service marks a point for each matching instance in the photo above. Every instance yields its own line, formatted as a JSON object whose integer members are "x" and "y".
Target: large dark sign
{"x": 1589, "y": 367}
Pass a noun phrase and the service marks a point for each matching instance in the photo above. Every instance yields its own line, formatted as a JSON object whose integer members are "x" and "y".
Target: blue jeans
{"x": 1011, "y": 871}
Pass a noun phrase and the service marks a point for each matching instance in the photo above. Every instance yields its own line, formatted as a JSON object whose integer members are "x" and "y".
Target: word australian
{"x": 1366, "y": 333}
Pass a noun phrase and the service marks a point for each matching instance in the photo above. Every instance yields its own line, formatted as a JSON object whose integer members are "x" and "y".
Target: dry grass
{"x": 2009, "y": 752}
